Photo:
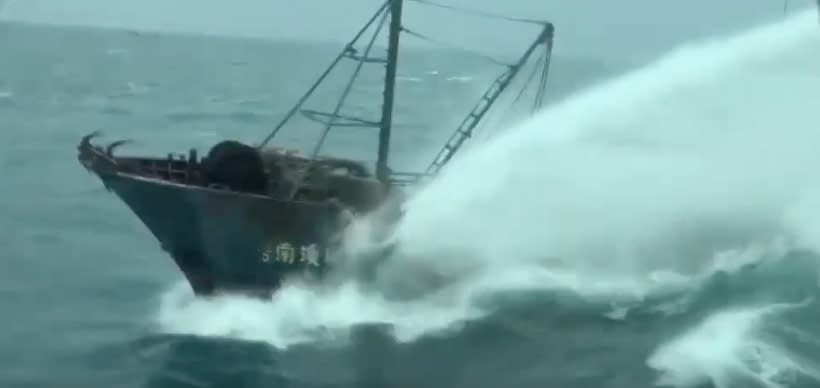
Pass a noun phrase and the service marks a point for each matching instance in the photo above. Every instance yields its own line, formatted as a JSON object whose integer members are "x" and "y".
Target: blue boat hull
{"x": 222, "y": 240}
{"x": 229, "y": 241}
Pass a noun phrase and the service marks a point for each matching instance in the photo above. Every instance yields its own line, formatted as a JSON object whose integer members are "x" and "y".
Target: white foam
{"x": 728, "y": 347}
{"x": 299, "y": 314}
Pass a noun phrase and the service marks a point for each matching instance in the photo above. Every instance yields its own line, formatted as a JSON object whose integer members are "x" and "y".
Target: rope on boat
{"x": 436, "y": 41}
{"x": 542, "y": 86}
{"x": 538, "y": 64}
{"x": 479, "y": 12}
{"x": 474, "y": 12}
{"x": 543, "y": 64}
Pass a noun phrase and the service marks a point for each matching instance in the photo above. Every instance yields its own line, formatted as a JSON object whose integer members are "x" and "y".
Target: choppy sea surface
{"x": 650, "y": 226}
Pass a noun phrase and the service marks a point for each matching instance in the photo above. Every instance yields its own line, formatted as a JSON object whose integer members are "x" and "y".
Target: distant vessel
{"x": 243, "y": 218}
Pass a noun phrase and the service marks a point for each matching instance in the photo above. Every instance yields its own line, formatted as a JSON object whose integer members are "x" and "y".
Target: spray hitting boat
{"x": 244, "y": 218}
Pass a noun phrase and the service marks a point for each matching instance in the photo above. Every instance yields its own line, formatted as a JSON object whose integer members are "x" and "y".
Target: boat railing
{"x": 174, "y": 168}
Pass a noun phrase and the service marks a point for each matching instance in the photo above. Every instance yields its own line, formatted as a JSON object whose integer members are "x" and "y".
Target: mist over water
{"x": 703, "y": 162}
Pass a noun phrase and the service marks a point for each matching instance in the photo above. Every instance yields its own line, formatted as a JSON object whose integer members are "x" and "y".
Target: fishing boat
{"x": 243, "y": 218}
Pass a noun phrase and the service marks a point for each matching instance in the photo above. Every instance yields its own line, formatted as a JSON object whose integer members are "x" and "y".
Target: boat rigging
{"x": 245, "y": 218}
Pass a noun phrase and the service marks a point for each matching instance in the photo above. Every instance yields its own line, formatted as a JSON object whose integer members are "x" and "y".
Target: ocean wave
{"x": 729, "y": 348}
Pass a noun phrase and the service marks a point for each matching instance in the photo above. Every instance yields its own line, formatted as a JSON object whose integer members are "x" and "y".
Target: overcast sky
{"x": 584, "y": 27}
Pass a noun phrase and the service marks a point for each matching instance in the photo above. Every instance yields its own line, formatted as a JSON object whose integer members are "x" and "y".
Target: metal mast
{"x": 382, "y": 171}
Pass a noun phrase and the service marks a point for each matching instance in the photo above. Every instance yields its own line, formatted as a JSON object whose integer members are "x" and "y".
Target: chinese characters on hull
{"x": 288, "y": 254}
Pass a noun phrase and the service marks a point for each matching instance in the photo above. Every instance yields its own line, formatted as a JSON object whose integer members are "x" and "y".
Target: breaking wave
{"x": 729, "y": 348}
{"x": 647, "y": 196}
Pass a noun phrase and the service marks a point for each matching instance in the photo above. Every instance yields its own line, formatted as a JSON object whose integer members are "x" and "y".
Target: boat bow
{"x": 96, "y": 159}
